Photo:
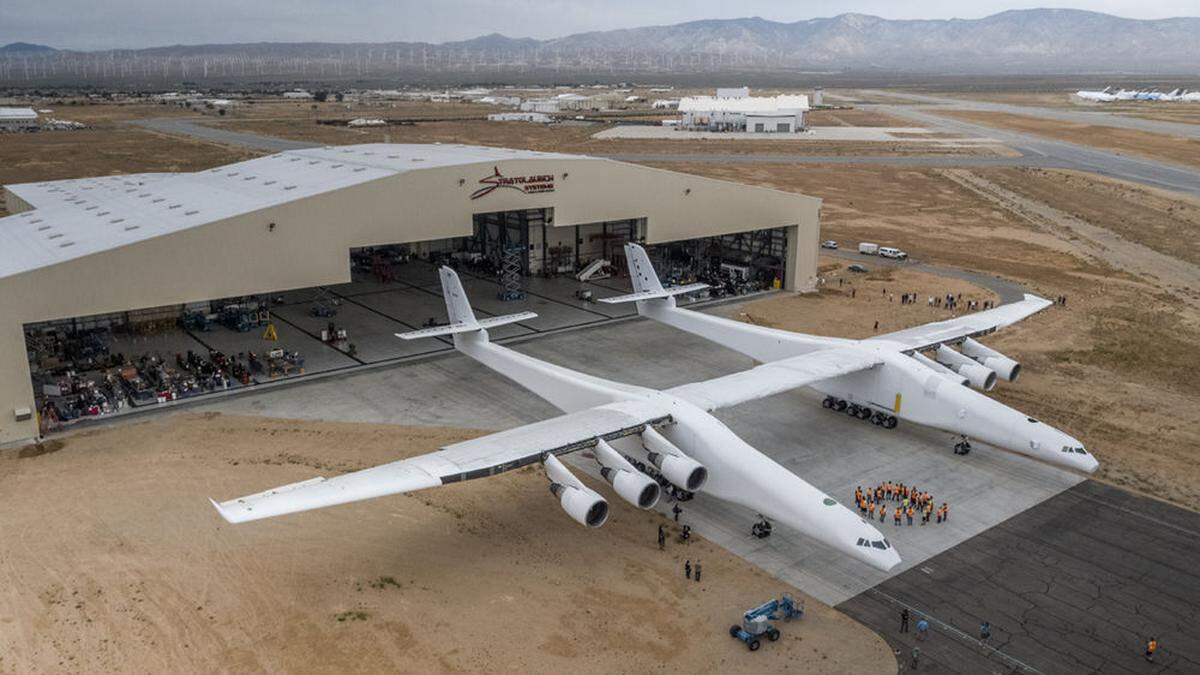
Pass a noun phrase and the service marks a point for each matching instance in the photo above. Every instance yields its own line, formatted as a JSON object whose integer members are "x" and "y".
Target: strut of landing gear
{"x": 862, "y": 412}
{"x": 761, "y": 529}
{"x": 962, "y": 447}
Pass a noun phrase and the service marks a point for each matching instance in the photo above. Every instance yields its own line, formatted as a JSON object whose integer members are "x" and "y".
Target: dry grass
{"x": 1176, "y": 149}
{"x": 1160, "y": 221}
{"x": 59, "y": 155}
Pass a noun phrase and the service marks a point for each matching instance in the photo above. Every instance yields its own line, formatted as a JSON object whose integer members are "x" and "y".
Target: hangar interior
{"x": 355, "y": 264}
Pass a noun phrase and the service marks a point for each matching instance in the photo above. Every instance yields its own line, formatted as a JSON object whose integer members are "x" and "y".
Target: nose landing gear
{"x": 963, "y": 447}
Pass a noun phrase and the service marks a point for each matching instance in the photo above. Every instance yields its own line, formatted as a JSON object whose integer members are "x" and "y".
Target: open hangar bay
{"x": 339, "y": 224}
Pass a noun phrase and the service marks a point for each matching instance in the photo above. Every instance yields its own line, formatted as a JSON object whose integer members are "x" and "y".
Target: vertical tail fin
{"x": 641, "y": 272}
{"x": 458, "y": 308}
{"x": 646, "y": 285}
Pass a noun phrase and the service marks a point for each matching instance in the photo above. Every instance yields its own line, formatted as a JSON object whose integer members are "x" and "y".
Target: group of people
{"x": 950, "y": 301}
{"x": 902, "y": 501}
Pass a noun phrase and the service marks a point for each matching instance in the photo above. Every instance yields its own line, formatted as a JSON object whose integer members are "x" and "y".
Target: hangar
{"x": 162, "y": 242}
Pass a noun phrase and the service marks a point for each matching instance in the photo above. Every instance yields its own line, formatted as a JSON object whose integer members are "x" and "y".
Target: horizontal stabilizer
{"x": 654, "y": 294}
{"x": 467, "y": 327}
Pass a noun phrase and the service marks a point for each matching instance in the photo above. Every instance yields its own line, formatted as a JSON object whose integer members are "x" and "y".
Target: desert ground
{"x": 115, "y": 562}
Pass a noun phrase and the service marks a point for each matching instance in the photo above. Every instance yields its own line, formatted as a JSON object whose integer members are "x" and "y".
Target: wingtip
{"x": 220, "y": 510}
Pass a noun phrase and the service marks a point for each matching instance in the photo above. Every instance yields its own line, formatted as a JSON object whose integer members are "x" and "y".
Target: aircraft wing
{"x": 970, "y": 325}
{"x": 476, "y": 458}
{"x": 775, "y": 377}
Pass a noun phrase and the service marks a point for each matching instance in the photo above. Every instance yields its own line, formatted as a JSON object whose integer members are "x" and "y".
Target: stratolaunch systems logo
{"x": 526, "y": 184}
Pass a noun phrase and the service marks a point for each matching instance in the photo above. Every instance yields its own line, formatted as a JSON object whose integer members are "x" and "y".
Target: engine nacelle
{"x": 980, "y": 377}
{"x": 677, "y": 467}
{"x": 940, "y": 369}
{"x": 1006, "y": 368}
{"x": 632, "y": 485}
{"x": 582, "y": 504}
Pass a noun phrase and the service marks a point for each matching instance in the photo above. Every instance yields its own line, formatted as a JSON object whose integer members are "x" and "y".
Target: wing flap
{"x": 475, "y": 458}
{"x": 775, "y": 377}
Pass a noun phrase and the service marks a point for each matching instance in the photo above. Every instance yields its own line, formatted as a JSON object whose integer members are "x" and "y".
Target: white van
{"x": 888, "y": 252}
{"x": 868, "y": 248}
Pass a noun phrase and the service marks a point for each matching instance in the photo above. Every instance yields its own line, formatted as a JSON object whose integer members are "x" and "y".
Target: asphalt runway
{"x": 1075, "y": 584}
{"x": 1092, "y": 114}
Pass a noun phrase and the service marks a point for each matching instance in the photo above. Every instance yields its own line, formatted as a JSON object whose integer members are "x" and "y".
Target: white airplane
{"x": 1106, "y": 95}
{"x": 1190, "y": 97}
{"x": 622, "y": 425}
{"x": 887, "y": 377}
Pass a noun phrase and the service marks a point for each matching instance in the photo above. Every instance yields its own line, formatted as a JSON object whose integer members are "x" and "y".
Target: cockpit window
{"x": 878, "y": 544}
{"x": 1031, "y": 420}
{"x": 1081, "y": 451}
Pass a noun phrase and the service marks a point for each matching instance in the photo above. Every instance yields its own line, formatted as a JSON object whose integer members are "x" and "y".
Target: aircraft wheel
{"x": 841, "y": 406}
{"x": 754, "y": 645}
{"x": 877, "y": 419}
{"x": 890, "y": 422}
{"x": 828, "y": 402}
{"x": 852, "y": 410}
{"x": 864, "y": 414}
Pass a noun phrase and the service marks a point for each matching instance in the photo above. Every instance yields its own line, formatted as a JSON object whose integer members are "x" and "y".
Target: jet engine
{"x": 1006, "y": 368}
{"x": 632, "y": 485}
{"x": 940, "y": 369}
{"x": 678, "y": 468}
{"x": 980, "y": 377}
{"x": 582, "y": 504}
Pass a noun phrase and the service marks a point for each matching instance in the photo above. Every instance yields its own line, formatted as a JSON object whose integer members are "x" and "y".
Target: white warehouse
{"x": 736, "y": 110}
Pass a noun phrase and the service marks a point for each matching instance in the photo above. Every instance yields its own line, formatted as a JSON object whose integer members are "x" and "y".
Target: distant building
{"x": 536, "y": 117}
{"x": 566, "y": 102}
{"x": 18, "y": 119}
{"x": 743, "y": 113}
{"x": 818, "y": 97}
{"x": 299, "y": 95}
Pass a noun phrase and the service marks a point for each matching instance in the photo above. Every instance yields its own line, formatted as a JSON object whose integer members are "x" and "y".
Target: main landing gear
{"x": 862, "y": 412}
{"x": 963, "y": 447}
{"x": 761, "y": 529}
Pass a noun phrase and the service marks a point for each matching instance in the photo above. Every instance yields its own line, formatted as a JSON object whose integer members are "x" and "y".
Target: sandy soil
{"x": 108, "y": 148}
{"x": 849, "y": 303}
{"x": 1176, "y": 149}
{"x": 1109, "y": 368}
{"x": 852, "y": 118}
{"x": 113, "y": 561}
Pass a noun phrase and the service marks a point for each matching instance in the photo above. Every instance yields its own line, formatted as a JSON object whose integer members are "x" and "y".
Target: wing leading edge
{"x": 476, "y": 458}
{"x": 970, "y": 325}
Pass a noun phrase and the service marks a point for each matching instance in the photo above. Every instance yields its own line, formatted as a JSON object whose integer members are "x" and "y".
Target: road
{"x": 1075, "y": 584}
{"x": 190, "y": 127}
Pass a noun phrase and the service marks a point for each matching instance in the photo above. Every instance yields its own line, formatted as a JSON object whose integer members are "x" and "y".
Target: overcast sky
{"x": 102, "y": 24}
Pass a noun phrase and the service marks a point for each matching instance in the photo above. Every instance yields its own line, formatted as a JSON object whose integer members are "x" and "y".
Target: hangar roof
{"x": 74, "y": 218}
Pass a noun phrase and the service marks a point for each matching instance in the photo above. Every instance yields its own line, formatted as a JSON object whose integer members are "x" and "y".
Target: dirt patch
{"x": 1177, "y": 149}
{"x": 107, "y": 150}
{"x": 114, "y": 561}
{"x": 852, "y": 118}
{"x": 861, "y": 305}
{"x": 39, "y": 449}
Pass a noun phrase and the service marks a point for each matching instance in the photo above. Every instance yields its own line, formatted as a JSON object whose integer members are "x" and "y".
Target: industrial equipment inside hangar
{"x": 122, "y": 292}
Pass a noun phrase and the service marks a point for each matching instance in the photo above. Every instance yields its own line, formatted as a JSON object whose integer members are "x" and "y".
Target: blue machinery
{"x": 755, "y": 621}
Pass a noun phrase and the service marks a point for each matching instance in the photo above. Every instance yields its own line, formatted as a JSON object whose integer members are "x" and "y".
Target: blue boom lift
{"x": 755, "y": 621}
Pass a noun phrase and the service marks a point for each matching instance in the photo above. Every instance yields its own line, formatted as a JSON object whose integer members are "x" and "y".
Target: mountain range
{"x": 1012, "y": 42}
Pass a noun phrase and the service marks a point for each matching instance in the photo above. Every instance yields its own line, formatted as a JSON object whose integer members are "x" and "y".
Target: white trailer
{"x": 867, "y": 248}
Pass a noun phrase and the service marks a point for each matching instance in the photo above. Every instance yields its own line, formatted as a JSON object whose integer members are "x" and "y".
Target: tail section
{"x": 462, "y": 317}
{"x": 646, "y": 285}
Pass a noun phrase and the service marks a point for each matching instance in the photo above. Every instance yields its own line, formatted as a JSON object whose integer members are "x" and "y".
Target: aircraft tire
{"x": 890, "y": 422}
